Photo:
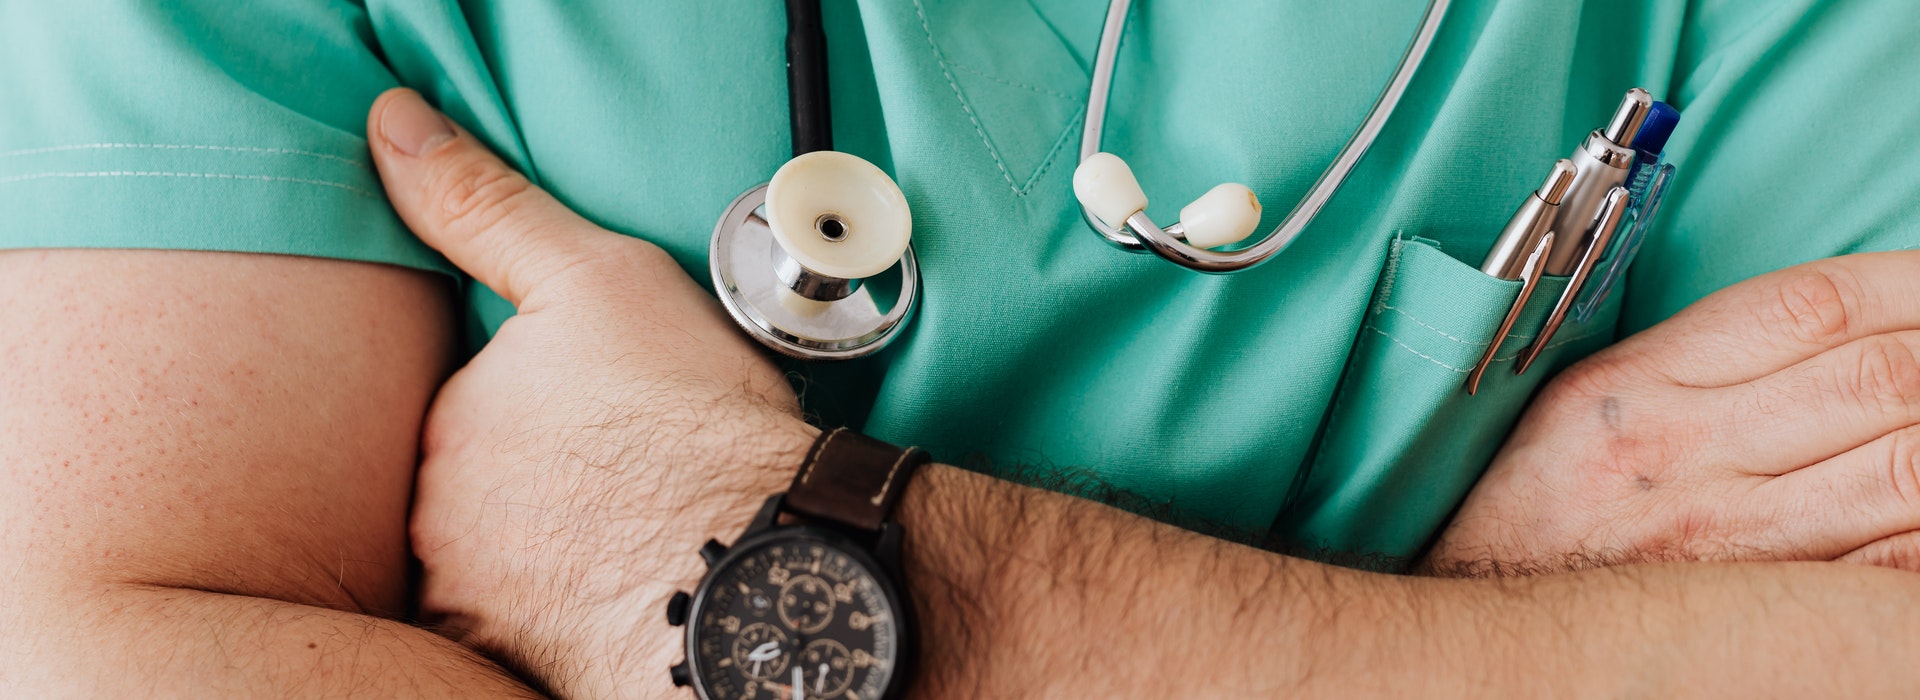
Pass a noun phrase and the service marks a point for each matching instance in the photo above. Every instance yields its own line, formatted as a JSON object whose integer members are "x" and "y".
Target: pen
{"x": 1647, "y": 144}
{"x": 1528, "y": 223}
{"x": 1565, "y": 227}
{"x": 1599, "y": 233}
{"x": 1519, "y": 251}
{"x": 1600, "y": 164}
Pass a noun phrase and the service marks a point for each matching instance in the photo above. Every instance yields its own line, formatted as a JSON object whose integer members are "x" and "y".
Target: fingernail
{"x": 413, "y": 126}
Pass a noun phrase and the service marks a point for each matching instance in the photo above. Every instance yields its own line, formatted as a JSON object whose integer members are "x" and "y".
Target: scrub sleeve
{"x": 194, "y": 125}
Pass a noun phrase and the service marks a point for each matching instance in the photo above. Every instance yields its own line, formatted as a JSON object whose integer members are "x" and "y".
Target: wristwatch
{"x": 809, "y": 602}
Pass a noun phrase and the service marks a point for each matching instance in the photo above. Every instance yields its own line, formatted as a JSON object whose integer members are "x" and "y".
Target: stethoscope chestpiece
{"x": 817, "y": 264}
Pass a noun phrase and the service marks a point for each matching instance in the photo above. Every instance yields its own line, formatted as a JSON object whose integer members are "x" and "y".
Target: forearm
{"x": 1027, "y": 593}
{"x": 140, "y": 641}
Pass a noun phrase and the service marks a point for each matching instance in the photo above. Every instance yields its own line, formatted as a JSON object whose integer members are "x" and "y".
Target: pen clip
{"x": 1530, "y": 278}
{"x": 1606, "y": 221}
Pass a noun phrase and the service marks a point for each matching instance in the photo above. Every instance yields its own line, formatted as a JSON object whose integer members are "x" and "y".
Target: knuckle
{"x": 475, "y": 195}
{"x": 1814, "y": 304}
{"x": 1903, "y": 466}
{"x": 1898, "y": 552}
{"x": 1885, "y": 375}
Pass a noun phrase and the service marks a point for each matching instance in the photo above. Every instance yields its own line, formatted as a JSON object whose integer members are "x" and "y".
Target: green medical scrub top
{"x": 1317, "y": 398}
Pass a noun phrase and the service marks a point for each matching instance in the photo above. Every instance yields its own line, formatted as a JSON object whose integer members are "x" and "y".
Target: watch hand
{"x": 821, "y": 681}
{"x": 765, "y": 652}
{"x": 799, "y": 684}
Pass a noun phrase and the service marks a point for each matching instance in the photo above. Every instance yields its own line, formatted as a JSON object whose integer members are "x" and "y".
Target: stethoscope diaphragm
{"x": 817, "y": 263}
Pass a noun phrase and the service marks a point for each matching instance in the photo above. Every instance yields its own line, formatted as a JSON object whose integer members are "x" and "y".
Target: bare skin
{"x": 205, "y": 466}
{"x": 1776, "y": 419}
{"x": 573, "y": 468}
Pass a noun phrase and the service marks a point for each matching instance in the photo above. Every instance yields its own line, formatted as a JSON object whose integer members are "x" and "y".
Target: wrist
{"x": 588, "y": 622}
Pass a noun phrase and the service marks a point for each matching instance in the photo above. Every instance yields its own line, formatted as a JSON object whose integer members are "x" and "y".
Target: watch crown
{"x": 712, "y": 551}
{"x": 681, "y": 676}
{"x": 677, "y": 608}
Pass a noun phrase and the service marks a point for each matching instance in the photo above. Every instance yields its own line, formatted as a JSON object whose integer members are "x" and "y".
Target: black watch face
{"x": 795, "y": 618}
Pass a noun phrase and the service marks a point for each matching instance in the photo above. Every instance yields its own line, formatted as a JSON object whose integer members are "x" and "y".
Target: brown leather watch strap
{"x": 852, "y": 479}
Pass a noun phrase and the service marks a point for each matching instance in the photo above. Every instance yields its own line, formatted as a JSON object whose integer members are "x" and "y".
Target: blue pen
{"x": 1648, "y": 143}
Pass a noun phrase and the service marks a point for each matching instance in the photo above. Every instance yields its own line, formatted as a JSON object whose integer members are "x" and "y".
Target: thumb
{"x": 460, "y": 198}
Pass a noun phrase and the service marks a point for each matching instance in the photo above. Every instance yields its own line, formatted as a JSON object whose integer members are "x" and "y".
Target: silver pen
{"x": 1613, "y": 209}
{"x": 1532, "y": 220}
{"x": 1600, "y": 164}
{"x": 1519, "y": 252}
{"x": 1569, "y": 235}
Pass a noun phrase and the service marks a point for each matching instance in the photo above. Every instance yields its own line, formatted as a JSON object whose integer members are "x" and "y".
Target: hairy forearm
{"x": 1027, "y": 593}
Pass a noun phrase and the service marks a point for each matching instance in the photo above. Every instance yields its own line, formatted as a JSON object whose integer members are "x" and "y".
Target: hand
{"x": 574, "y": 467}
{"x": 1774, "y": 420}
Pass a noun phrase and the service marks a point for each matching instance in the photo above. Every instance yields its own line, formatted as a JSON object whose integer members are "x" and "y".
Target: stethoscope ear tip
{"x": 1108, "y": 190}
{"x": 1225, "y": 215}
{"x": 1106, "y": 187}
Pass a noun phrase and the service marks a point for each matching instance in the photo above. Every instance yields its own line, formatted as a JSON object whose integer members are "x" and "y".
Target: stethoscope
{"x": 818, "y": 264}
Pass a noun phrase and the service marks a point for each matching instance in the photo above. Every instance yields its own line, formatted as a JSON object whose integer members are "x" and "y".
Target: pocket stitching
{"x": 1509, "y": 358}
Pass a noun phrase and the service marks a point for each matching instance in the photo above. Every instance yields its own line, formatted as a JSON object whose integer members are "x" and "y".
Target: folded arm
{"x": 575, "y": 466}
{"x": 1024, "y": 593}
{"x": 205, "y": 466}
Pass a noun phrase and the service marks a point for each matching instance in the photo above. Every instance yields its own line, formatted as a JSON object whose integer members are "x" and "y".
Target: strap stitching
{"x": 813, "y": 455}
{"x": 882, "y": 495}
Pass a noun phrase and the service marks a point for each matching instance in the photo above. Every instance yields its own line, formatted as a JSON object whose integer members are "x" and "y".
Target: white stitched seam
{"x": 203, "y": 176}
{"x": 1510, "y": 358}
{"x": 1388, "y": 275}
{"x": 1053, "y": 154}
{"x": 962, "y": 98}
{"x": 1436, "y": 329}
{"x": 1009, "y": 83}
{"x": 182, "y": 147}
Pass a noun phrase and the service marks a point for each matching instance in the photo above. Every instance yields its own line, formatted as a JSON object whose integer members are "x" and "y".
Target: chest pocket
{"x": 1403, "y": 441}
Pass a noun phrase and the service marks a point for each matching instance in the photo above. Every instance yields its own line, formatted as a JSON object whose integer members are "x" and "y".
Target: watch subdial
{"x": 806, "y": 604}
{"x": 827, "y": 668}
{"x": 760, "y": 651}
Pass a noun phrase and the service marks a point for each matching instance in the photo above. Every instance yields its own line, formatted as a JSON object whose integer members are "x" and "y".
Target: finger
{"x": 465, "y": 202}
{"x": 1823, "y": 406}
{"x": 1764, "y": 324}
{"x": 1900, "y": 551}
{"x": 1842, "y": 504}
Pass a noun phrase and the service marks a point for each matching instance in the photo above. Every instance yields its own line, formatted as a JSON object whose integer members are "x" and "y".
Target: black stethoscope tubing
{"x": 808, "y": 113}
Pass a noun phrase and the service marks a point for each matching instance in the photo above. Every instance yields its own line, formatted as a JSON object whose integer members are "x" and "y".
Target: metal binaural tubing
{"x": 1153, "y": 238}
